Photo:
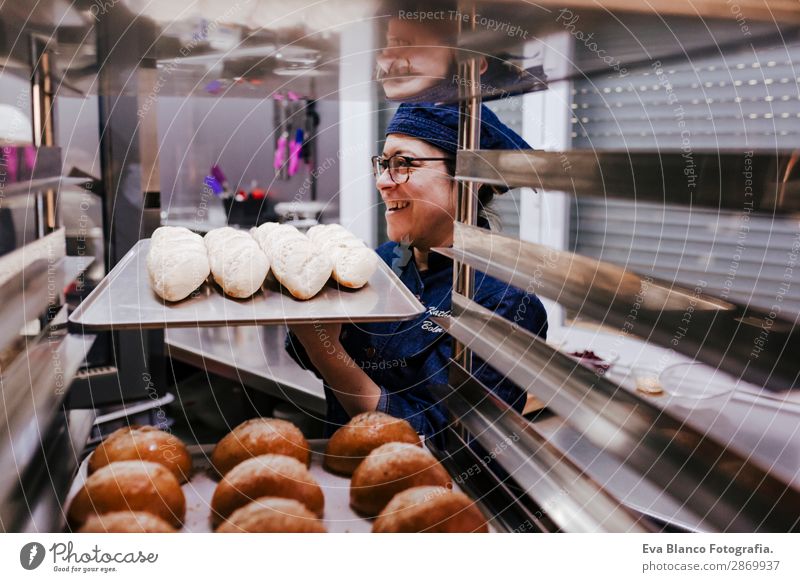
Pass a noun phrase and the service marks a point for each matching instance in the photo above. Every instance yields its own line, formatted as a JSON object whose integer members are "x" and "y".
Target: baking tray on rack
{"x": 124, "y": 300}
{"x": 339, "y": 517}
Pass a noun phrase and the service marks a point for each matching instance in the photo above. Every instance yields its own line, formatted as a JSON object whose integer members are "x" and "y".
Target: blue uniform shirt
{"x": 403, "y": 358}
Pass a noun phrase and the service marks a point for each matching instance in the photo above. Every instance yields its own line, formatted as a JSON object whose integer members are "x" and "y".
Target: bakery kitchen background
{"x": 387, "y": 266}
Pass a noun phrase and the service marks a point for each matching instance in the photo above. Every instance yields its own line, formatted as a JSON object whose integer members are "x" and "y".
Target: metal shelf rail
{"x": 724, "y": 490}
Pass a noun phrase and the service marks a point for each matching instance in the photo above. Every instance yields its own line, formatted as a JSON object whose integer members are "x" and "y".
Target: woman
{"x": 389, "y": 366}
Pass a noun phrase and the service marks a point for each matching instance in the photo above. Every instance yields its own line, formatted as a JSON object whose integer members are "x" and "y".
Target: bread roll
{"x": 353, "y": 262}
{"x": 296, "y": 262}
{"x": 321, "y": 233}
{"x": 260, "y": 436}
{"x": 260, "y": 232}
{"x": 143, "y": 443}
{"x": 126, "y": 522}
{"x": 430, "y": 510}
{"x": 299, "y": 266}
{"x": 130, "y": 485}
{"x": 173, "y": 234}
{"x": 237, "y": 263}
{"x": 366, "y": 431}
{"x": 270, "y": 234}
{"x": 267, "y": 475}
{"x": 272, "y": 515}
{"x": 177, "y": 262}
{"x": 390, "y": 469}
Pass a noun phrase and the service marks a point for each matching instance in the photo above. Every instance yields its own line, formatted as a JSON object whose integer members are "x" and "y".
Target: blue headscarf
{"x": 437, "y": 124}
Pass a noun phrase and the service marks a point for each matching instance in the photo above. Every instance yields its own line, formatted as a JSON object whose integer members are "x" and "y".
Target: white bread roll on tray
{"x": 297, "y": 263}
{"x": 259, "y": 233}
{"x": 353, "y": 262}
{"x": 177, "y": 262}
{"x": 237, "y": 263}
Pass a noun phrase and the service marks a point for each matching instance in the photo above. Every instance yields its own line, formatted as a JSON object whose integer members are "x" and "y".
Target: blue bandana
{"x": 437, "y": 124}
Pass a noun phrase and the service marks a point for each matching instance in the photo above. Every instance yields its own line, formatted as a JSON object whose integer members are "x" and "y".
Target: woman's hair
{"x": 486, "y": 195}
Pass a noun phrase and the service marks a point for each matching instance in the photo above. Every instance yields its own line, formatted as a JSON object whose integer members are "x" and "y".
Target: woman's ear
{"x": 484, "y": 65}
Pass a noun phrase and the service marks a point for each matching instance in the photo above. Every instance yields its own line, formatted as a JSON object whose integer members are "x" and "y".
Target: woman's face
{"x": 421, "y": 211}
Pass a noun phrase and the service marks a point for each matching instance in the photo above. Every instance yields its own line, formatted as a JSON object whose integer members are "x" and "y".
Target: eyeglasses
{"x": 399, "y": 166}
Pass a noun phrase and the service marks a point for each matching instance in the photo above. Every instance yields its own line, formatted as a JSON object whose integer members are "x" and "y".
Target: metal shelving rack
{"x": 703, "y": 485}
{"x": 39, "y": 359}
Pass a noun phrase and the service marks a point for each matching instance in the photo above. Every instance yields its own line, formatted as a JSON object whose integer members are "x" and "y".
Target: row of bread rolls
{"x": 179, "y": 261}
{"x": 397, "y": 480}
{"x": 133, "y": 484}
{"x": 265, "y": 486}
{"x": 135, "y": 475}
{"x": 393, "y": 478}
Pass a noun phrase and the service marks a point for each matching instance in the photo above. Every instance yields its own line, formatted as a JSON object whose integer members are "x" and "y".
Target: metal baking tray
{"x": 339, "y": 517}
{"x": 124, "y": 300}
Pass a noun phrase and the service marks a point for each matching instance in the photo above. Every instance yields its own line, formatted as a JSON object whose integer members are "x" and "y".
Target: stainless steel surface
{"x": 251, "y": 44}
{"x": 129, "y": 411}
{"x": 33, "y": 388}
{"x": 28, "y": 293}
{"x": 780, "y": 10}
{"x": 24, "y": 299}
{"x": 763, "y": 426}
{"x": 744, "y": 341}
{"x": 571, "y": 499}
{"x": 723, "y": 489}
{"x": 715, "y": 182}
{"x": 613, "y": 475}
{"x": 254, "y": 356}
{"x": 124, "y": 300}
{"x": 41, "y": 496}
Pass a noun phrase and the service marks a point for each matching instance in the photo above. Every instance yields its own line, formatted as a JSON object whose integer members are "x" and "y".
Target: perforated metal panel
{"x": 744, "y": 100}
{"x": 741, "y": 101}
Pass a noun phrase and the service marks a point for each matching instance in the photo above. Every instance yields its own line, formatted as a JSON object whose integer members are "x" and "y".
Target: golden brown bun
{"x": 430, "y": 510}
{"x": 390, "y": 469}
{"x": 144, "y": 443}
{"x": 351, "y": 443}
{"x": 126, "y": 522}
{"x": 260, "y": 436}
{"x": 266, "y": 475}
{"x": 272, "y": 515}
{"x": 133, "y": 486}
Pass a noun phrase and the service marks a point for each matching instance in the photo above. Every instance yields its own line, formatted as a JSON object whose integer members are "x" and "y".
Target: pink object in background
{"x": 294, "y": 152}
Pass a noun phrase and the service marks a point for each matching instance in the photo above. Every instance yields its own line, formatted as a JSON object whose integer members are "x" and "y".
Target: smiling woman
{"x": 389, "y": 366}
{"x": 420, "y": 209}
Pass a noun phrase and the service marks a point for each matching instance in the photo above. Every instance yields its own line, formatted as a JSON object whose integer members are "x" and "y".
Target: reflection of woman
{"x": 418, "y": 64}
{"x": 389, "y": 366}
{"x": 417, "y": 61}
